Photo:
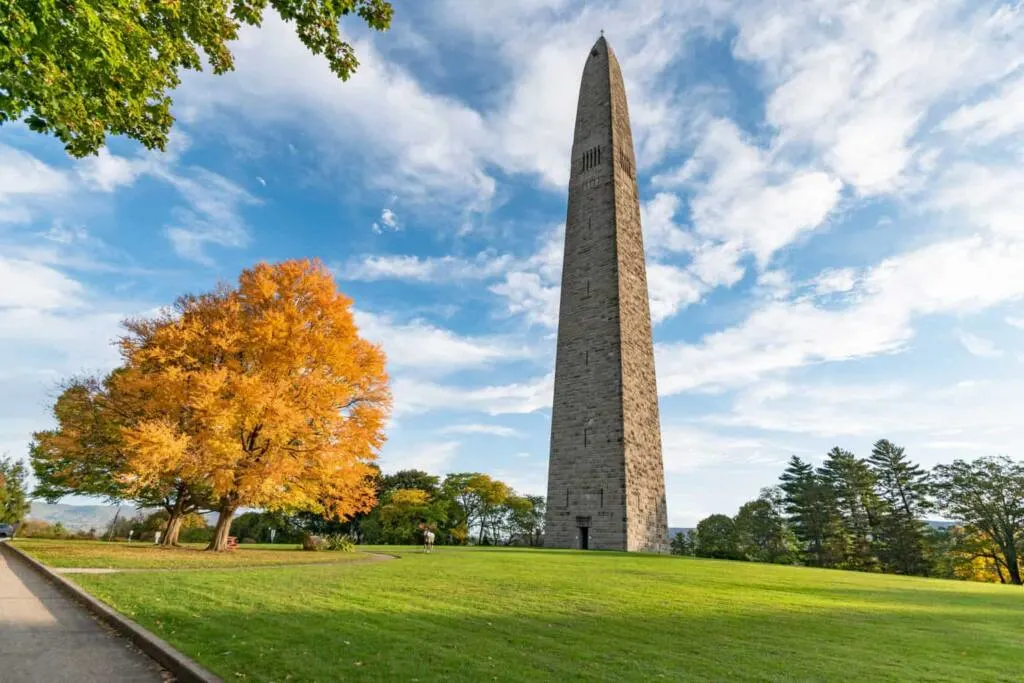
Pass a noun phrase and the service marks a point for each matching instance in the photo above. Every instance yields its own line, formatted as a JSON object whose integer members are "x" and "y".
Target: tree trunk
{"x": 173, "y": 530}
{"x": 220, "y": 532}
{"x": 1014, "y": 569}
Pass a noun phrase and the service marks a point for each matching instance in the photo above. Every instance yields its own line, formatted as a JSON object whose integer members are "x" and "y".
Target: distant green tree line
{"x": 461, "y": 508}
{"x": 866, "y": 514}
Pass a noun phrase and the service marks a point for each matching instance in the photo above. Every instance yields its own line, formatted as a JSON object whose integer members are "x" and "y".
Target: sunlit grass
{"x": 514, "y": 615}
{"x": 121, "y": 555}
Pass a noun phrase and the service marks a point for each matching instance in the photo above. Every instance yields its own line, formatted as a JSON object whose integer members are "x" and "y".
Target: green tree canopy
{"x": 716, "y": 537}
{"x": 987, "y": 495}
{"x": 85, "y": 69}
{"x": 525, "y": 518}
{"x": 409, "y": 479}
{"x": 402, "y": 516}
{"x": 762, "y": 534}
{"x": 14, "y": 504}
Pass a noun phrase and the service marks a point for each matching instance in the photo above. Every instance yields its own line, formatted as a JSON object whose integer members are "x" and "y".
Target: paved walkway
{"x": 46, "y": 637}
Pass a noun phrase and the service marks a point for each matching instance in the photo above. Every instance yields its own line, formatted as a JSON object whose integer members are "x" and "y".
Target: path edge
{"x": 181, "y": 667}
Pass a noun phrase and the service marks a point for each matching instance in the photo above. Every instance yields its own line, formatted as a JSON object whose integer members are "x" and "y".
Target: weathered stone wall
{"x": 605, "y": 470}
{"x": 645, "y": 473}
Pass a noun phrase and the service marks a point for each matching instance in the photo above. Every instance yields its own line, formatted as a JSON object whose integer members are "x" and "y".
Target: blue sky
{"x": 832, "y": 200}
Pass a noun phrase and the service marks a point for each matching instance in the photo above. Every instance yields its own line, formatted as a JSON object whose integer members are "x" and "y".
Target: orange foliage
{"x": 266, "y": 392}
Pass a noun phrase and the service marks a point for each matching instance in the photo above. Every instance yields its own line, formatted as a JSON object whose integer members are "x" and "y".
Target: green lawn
{"x": 518, "y": 615}
{"x": 149, "y": 556}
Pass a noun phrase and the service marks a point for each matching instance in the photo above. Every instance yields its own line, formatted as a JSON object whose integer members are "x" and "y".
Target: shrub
{"x": 341, "y": 542}
{"x": 338, "y": 542}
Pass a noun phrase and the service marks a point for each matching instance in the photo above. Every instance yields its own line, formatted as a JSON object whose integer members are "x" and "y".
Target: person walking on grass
{"x": 428, "y": 540}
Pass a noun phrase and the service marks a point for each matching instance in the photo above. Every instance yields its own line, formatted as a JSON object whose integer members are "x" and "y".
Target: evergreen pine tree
{"x": 857, "y": 507}
{"x": 810, "y": 507}
{"x": 904, "y": 488}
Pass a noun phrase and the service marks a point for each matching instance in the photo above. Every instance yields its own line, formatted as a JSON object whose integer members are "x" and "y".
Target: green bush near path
{"x": 523, "y": 615}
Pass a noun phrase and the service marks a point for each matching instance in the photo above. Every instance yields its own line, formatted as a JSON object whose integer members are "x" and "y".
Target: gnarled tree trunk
{"x": 220, "y": 532}
{"x": 173, "y": 530}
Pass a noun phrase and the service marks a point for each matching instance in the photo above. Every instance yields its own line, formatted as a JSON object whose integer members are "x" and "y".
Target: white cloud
{"x": 955, "y": 276}
{"x": 420, "y": 145}
{"x": 413, "y": 396}
{"x": 774, "y": 285}
{"x": 671, "y": 289}
{"x": 531, "y": 296}
{"x": 492, "y": 430}
{"x": 388, "y": 221}
{"x": 661, "y": 233}
{"x": 527, "y": 286}
{"x": 434, "y": 458}
{"x": 997, "y": 117}
{"x": 748, "y": 198}
{"x": 835, "y": 280}
{"x": 212, "y": 216}
{"x": 25, "y": 181}
{"x": 856, "y": 81}
{"x": 1015, "y": 322}
{"x": 51, "y": 326}
{"x": 978, "y": 346}
{"x": 977, "y": 415}
{"x": 542, "y": 46}
{"x": 107, "y": 172}
{"x": 33, "y": 286}
{"x": 432, "y": 350}
{"x": 985, "y": 195}
{"x": 686, "y": 448}
{"x": 372, "y": 268}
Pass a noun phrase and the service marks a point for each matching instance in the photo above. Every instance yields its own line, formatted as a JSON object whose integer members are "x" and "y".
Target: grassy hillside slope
{"x": 519, "y": 615}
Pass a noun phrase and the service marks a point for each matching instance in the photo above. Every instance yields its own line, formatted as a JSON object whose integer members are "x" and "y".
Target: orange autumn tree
{"x": 86, "y": 453}
{"x": 285, "y": 403}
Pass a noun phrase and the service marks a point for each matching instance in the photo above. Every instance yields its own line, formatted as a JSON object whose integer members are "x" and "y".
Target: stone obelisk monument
{"x": 606, "y": 481}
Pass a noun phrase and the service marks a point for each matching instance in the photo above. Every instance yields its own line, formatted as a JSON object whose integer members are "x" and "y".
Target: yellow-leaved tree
{"x": 283, "y": 403}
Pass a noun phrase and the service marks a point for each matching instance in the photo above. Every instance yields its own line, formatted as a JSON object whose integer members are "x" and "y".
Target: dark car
{"x": 6, "y": 531}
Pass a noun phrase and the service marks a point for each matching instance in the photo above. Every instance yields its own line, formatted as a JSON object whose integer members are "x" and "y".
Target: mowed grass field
{"x": 527, "y": 615}
{"x": 139, "y": 555}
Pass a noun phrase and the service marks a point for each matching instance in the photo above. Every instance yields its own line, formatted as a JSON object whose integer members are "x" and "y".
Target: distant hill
{"x": 78, "y": 517}
{"x": 673, "y": 530}
{"x": 933, "y": 523}
{"x": 939, "y": 523}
